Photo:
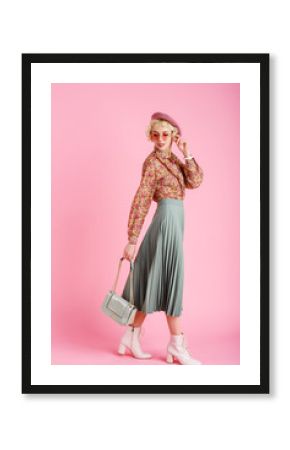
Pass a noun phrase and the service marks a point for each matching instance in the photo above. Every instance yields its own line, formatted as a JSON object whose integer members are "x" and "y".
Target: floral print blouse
{"x": 163, "y": 176}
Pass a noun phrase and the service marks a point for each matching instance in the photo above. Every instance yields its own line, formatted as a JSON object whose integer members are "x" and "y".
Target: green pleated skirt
{"x": 159, "y": 264}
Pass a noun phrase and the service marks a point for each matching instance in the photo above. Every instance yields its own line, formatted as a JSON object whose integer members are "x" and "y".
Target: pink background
{"x": 98, "y": 147}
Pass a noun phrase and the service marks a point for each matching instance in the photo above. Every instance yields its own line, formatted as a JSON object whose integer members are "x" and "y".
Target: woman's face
{"x": 161, "y": 135}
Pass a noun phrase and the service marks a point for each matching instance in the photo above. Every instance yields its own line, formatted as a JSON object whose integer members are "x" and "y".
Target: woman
{"x": 158, "y": 267}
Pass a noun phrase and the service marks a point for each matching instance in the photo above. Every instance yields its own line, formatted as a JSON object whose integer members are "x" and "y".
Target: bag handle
{"x": 131, "y": 279}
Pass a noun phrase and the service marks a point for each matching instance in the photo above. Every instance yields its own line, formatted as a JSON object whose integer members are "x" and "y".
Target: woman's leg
{"x": 139, "y": 318}
{"x": 177, "y": 347}
{"x": 174, "y": 324}
{"x": 131, "y": 338}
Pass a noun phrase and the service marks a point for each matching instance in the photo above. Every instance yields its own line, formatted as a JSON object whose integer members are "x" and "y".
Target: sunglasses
{"x": 164, "y": 134}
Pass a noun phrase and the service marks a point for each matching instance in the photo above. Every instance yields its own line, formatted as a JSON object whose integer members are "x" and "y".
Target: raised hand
{"x": 181, "y": 145}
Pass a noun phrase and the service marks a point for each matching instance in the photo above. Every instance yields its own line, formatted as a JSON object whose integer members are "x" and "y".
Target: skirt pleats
{"x": 159, "y": 264}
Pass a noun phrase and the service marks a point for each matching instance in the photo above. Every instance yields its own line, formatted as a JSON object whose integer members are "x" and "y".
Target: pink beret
{"x": 163, "y": 116}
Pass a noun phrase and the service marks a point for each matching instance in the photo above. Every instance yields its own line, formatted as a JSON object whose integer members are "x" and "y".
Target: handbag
{"x": 117, "y": 307}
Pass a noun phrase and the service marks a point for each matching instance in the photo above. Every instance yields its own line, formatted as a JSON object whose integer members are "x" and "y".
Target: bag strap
{"x": 131, "y": 279}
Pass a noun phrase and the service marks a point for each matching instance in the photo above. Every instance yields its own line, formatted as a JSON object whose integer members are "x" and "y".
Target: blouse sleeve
{"x": 141, "y": 202}
{"x": 192, "y": 173}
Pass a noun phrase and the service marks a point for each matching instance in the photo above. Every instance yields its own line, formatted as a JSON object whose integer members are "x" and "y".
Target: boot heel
{"x": 122, "y": 349}
{"x": 169, "y": 358}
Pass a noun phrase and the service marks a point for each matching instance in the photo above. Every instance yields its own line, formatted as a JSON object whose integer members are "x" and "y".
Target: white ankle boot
{"x": 177, "y": 348}
{"x": 131, "y": 341}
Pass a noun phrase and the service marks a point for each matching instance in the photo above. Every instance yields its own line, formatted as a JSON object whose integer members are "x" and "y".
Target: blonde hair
{"x": 162, "y": 122}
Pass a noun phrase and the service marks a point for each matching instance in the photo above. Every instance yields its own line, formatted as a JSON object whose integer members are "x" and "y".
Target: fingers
{"x": 128, "y": 256}
{"x": 129, "y": 252}
{"x": 180, "y": 143}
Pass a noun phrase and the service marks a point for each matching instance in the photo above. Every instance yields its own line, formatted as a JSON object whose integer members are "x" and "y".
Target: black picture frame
{"x": 208, "y": 58}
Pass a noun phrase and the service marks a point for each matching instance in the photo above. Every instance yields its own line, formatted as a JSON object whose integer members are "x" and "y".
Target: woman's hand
{"x": 182, "y": 145}
{"x": 129, "y": 251}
